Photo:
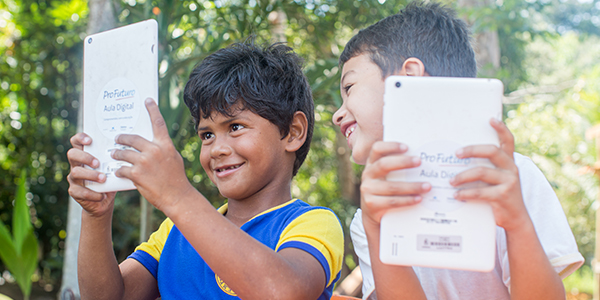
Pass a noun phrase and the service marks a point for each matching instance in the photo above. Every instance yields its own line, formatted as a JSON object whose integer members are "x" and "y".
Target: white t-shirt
{"x": 550, "y": 225}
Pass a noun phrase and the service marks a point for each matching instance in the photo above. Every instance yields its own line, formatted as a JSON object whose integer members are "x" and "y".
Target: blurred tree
{"x": 550, "y": 124}
{"x": 101, "y": 17}
{"x": 39, "y": 92}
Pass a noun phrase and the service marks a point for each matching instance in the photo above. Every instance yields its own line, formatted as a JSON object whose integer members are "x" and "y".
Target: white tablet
{"x": 120, "y": 70}
{"x": 435, "y": 116}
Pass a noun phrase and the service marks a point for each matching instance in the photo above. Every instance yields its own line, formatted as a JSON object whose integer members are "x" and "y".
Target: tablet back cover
{"x": 435, "y": 116}
{"x": 120, "y": 70}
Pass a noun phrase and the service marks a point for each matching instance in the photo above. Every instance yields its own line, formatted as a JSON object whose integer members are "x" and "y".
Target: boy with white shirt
{"x": 535, "y": 246}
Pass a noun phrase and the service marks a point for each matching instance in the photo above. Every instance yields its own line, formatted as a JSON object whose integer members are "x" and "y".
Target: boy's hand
{"x": 157, "y": 169}
{"x": 504, "y": 190}
{"x": 96, "y": 204}
{"x": 377, "y": 193}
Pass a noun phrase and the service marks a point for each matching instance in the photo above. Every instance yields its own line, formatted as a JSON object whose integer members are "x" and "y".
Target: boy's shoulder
{"x": 542, "y": 203}
{"x": 535, "y": 188}
{"x": 530, "y": 175}
{"x": 296, "y": 208}
{"x": 293, "y": 211}
{"x": 298, "y": 221}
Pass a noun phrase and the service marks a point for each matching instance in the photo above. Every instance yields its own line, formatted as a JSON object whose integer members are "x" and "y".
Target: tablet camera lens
{"x": 398, "y": 84}
{"x": 89, "y": 40}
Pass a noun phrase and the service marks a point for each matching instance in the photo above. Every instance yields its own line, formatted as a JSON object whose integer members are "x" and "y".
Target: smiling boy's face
{"x": 360, "y": 116}
{"x": 243, "y": 154}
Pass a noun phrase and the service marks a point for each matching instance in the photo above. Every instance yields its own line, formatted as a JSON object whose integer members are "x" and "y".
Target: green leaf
{"x": 20, "y": 253}
{"x": 28, "y": 260}
{"x": 66, "y": 9}
{"x": 21, "y": 220}
{"x": 30, "y": 253}
{"x": 24, "y": 283}
{"x": 8, "y": 254}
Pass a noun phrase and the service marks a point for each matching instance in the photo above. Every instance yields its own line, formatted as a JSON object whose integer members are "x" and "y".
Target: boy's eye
{"x": 206, "y": 135}
{"x": 347, "y": 88}
{"x": 236, "y": 127}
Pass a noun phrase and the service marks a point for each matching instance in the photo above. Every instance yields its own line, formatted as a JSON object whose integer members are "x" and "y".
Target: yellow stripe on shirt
{"x": 156, "y": 242}
{"x": 321, "y": 229}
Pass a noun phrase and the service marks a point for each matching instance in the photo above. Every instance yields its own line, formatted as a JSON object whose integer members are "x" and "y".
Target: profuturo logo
{"x": 118, "y": 107}
{"x": 224, "y": 286}
{"x": 438, "y": 165}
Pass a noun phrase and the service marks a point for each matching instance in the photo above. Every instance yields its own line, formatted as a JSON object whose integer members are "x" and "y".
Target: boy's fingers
{"x": 132, "y": 140}
{"x": 381, "y": 149}
{"x": 394, "y": 188}
{"x": 78, "y": 157}
{"x": 80, "y": 193}
{"x": 497, "y": 156}
{"x": 383, "y": 166}
{"x": 129, "y": 156}
{"x": 159, "y": 126}
{"x": 482, "y": 193}
{"x": 125, "y": 172}
{"x": 507, "y": 140}
{"x": 487, "y": 175}
{"x": 80, "y": 139}
{"x": 376, "y": 203}
{"x": 79, "y": 173}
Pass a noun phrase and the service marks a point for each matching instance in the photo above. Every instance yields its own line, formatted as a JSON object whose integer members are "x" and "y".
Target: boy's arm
{"x": 532, "y": 276}
{"x": 100, "y": 275}
{"x": 97, "y": 268}
{"x": 377, "y": 196}
{"x": 250, "y": 269}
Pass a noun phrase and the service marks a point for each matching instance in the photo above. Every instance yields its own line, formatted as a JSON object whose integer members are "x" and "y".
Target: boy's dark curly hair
{"x": 430, "y": 32}
{"x": 267, "y": 80}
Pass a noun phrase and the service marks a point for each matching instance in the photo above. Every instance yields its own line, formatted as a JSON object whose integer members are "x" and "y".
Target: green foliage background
{"x": 549, "y": 66}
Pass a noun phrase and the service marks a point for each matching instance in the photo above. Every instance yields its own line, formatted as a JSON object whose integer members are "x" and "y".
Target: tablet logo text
{"x": 446, "y": 159}
{"x": 119, "y": 94}
{"x": 118, "y": 107}
{"x": 122, "y": 107}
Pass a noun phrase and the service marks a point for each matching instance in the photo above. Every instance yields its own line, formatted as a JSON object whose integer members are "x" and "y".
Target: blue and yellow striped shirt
{"x": 182, "y": 274}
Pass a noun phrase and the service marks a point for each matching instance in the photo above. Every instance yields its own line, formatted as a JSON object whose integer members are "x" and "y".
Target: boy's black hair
{"x": 267, "y": 80}
{"x": 430, "y": 32}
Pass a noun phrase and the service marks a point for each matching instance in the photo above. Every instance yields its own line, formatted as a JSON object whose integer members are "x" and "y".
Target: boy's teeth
{"x": 228, "y": 168}
{"x": 349, "y": 131}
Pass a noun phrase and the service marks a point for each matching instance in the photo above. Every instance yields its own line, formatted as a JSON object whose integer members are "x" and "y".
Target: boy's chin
{"x": 358, "y": 159}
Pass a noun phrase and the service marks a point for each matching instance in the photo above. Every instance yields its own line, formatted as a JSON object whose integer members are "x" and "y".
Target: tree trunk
{"x": 486, "y": 43}
{"x": 349, "y": 185}
{"x": 278, "y": 20}
{"x": 347, "y": 178}
{"x": 101, "y": 17}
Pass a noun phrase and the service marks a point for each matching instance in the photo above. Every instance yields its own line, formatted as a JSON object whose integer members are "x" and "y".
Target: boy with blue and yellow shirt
{"x": 253, "y": 111}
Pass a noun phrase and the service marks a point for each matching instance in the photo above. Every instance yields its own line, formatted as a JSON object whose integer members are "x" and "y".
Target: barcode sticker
{"x": 439, "y": 243}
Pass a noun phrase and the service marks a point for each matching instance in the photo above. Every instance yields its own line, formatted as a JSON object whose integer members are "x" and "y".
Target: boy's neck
{"x": 241, "y": 211}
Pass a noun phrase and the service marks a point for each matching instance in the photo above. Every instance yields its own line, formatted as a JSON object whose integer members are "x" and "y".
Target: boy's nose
{"x": 220, "y": 148}
{"x": 338, "y": 116}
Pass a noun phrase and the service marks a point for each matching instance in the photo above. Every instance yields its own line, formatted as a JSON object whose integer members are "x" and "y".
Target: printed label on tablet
{"x": 438, "y": 165}
{"x": 117, "y": 108}
{"x": 439, "y": 243}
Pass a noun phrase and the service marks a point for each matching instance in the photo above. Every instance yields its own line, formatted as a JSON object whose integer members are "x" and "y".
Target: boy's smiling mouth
{"x": 348, "y": 129}
{"x": 227, "y": 169}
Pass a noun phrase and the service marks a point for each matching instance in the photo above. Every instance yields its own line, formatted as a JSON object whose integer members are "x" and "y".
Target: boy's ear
{"x": 413, "y": 66}
{"x": 298, "y": 132}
